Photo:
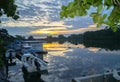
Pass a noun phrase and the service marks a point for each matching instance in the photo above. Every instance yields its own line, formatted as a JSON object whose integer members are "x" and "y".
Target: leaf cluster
{"x": 81, "y": 7}
{"x": 8, "y": 8}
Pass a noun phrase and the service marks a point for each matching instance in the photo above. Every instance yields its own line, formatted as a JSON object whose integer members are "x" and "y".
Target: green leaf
{"x": 99, "y": 8}
{"x": 104, "y": 16}
{"x": 93, "y": 14}
{"x": 77, "y": 12}
{"x": 64, "y": 7}
{"x": 72, "y": 15}
{"x": 114, "y": 29}
{"x": 95, "y": 19}
{"x": 70, "y": 6}
{"x": 108, "y": 2}
{"x": 85, "y": 1}
{"x": 90, "y": 1}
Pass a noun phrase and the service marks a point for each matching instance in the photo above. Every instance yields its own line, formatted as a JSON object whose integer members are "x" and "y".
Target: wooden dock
{"x": 106, "y": 77}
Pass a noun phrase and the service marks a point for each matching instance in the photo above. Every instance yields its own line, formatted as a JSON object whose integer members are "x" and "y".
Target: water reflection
{"x": 105, "y": 44}
{"x": 67, "y": 61}
{"x": 57, "y": 49}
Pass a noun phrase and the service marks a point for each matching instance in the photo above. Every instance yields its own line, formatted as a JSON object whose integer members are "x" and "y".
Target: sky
{"x": 41, "y": 18}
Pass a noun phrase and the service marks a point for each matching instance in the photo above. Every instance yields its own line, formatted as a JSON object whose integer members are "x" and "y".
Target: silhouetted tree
{"x": 19, "y": 37}
{"x": 8, "y": 7}
{"x": 30, "y": 37}
{"x": 106, "y": 39}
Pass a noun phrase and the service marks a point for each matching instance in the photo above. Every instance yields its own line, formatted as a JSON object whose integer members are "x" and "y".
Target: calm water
{"x": 67, "y": 61}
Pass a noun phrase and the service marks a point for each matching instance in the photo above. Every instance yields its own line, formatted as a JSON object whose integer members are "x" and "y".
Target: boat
{"x": 33, "y": 64}
{"x": 26, "y": 46}
{"x": 32, "y": 46}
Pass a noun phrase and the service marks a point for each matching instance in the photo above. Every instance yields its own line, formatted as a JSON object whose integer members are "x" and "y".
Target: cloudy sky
{"x": 41, "y": 18}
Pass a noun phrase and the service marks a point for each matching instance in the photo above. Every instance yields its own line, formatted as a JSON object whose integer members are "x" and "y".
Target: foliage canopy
{"x": 8, "y": 8}
{"x": 100, "y": 16}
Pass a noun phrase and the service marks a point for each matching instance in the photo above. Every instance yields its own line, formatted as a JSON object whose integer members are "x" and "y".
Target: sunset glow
{"x": 56, "y": 49}
{"x": 61, "y": 30}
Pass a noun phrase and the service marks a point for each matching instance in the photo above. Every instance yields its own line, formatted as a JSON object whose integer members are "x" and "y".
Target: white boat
{"x": 33, "y": 64}
{"x": 32, "y": 46}
{"x": 26, "y": 46}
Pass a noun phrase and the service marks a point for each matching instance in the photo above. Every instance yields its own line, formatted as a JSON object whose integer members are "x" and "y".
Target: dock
{"x": 105, "y": 77}
{"x": 15, "y": 67}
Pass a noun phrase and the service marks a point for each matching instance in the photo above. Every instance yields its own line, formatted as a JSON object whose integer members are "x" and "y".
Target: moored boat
{"x": 33, "y": 64}
{"x": 32, "y": 46}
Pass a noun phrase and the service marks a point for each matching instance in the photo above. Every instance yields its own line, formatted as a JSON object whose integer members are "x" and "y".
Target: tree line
{"x": 105, "y": 38}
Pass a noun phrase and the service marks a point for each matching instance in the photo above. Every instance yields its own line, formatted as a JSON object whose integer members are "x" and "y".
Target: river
{"x": 67, "y": 61}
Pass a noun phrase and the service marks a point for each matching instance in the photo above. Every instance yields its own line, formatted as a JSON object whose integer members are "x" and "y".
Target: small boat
{"x": 33, "y": 64}
{"x": 32, "y": 46}
{"x": 26, "y": 46}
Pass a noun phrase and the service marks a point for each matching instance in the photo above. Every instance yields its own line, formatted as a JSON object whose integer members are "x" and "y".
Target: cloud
{"x": 41, "y": 17}
{"x": 28, "y": 23}
{"x": 52, "y": 30}
{"x": 56, "y": 31}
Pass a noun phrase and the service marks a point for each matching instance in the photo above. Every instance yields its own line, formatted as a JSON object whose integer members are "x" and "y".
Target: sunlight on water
{"x": 60, "y": 47}
{"x": 56, "y": 49}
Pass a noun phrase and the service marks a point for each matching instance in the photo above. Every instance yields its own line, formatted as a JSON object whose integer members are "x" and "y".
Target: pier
{"x": 106, "y": 77}
{"x": 16, "y": 68}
